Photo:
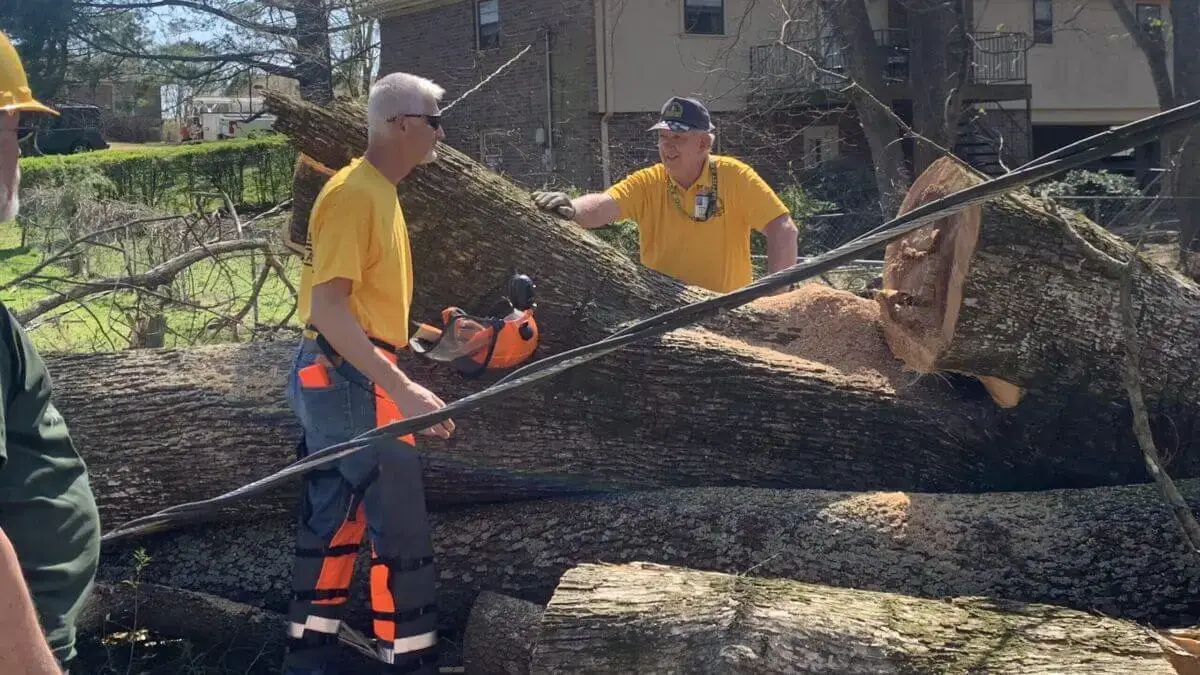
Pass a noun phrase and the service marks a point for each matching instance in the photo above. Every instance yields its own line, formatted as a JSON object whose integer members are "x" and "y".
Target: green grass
{"x": 211, "y": 287}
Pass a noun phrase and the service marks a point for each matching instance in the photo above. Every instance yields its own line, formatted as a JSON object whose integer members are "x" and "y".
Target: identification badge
{"x": 700, "y": 211}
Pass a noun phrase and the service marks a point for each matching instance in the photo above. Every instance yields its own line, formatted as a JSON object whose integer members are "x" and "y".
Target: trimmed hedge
{"x": 255, "y": 172}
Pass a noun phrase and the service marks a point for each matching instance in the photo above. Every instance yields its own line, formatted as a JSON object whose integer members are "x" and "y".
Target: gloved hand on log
{"x": 555, "y": 202}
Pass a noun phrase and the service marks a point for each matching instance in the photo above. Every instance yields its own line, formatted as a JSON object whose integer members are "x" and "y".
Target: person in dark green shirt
{"x": 49, "y": 524}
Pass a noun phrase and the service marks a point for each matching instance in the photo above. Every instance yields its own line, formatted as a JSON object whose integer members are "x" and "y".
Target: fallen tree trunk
{"x": 174, "y": 612}
{"x": 500, "y": 635}
{"x": 1112, "y": 550}
{"x": 1026, "y": 297}
{"x": 650, "y": 618}
{"x": 586, "y": 288}
{"x": 161, "y": 427}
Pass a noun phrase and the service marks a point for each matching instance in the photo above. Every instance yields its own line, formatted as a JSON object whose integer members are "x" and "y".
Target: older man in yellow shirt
{"x": 694, "y": 210}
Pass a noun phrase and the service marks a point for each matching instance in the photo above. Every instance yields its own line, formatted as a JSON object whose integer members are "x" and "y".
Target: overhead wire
{"x": 1077, "y": 154}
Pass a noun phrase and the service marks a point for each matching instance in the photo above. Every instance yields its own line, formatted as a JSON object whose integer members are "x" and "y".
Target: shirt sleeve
{"x": 631, "y": 192}
{"x": 341, "y": 236}
{"x": 761, "y": 202}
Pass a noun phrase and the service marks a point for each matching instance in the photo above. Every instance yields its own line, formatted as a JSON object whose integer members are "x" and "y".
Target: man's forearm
{"x": 595, "y": 210}
{"x": 23, "y": 647}
{"x": 782, "y": 244}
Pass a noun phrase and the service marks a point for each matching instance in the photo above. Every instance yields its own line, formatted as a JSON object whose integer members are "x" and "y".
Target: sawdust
{"x": 832, "y": 327}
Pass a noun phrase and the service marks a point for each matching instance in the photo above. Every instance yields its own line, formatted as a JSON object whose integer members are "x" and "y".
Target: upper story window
{"x": 1043, "y": 22}
{"x": 1149, "y": 17}
{"x": 704, "y": 17}
{"x": 487, "y": 23}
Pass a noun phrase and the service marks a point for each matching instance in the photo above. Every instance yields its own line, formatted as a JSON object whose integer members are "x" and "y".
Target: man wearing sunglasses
{"x": 356, "y": 290}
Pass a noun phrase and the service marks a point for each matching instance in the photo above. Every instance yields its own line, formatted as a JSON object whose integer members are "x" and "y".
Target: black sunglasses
{"x": 434, "y": 121}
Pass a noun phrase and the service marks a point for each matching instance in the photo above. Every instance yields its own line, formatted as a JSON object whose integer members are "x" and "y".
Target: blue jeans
{"x": 377, "y": 490}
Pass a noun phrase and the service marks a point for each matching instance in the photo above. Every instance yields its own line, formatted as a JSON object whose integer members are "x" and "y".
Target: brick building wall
{"x": 499, "y": 124}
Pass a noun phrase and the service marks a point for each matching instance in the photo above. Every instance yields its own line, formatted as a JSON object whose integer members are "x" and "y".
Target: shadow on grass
{"x": 15, "y": 251}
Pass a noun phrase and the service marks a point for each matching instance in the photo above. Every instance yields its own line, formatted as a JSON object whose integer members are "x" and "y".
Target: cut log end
{"x": 924, "y": 271}
{"x": 923, "y": 279}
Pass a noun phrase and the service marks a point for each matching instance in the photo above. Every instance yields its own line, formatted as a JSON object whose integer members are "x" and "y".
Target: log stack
{"x": 963, "y": 433}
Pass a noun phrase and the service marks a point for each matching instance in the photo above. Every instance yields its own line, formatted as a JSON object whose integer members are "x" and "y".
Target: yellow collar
{"x": 705, "y": 179}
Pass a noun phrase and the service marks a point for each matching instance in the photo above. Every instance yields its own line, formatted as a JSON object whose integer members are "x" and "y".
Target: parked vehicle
{"x": 75, "y": 129}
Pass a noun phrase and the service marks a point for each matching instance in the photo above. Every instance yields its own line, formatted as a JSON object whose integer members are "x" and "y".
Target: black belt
{"x": 312, "y": 333}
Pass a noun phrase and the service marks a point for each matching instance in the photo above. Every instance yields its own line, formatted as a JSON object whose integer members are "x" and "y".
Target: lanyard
{"x": 711, "y": 206}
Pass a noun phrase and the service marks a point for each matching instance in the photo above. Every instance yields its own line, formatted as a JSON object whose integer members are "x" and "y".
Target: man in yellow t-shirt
{"x": 694, "y": 210}
{"x": 356, "y": 288}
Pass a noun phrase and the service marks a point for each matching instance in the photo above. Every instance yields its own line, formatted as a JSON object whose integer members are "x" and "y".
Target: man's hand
{"x": 556, "y": 202}
{"x": 412, "y": 399}
{"x": 331, "y": 315}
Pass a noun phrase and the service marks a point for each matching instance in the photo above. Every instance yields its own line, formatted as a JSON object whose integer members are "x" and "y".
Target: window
{"x": 820, "y": 144}
{"x": 1043, "y": 22}
{"x": 487, "y": 23}
{"x": 491, "y": 148}
{"x": 1149, "y": 17}
{"x": 704, "y": 17}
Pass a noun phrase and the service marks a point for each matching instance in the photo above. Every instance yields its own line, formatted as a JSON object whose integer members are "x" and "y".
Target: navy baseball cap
{"x": 684, "y": 114}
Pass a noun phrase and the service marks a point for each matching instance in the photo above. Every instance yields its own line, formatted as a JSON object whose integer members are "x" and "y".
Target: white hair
{"x": 399, "y": 94}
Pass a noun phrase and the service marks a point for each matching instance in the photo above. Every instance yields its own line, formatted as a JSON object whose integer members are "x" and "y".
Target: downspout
{"x": 549, "y": 107}
{"x": 605, "y": 157}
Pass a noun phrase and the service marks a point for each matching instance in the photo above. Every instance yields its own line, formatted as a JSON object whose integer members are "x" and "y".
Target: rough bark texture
{"x": 1015, "y": 291}
{"x": 1112, "y": 550}
{"x": 500, "y": 635}
{"x": 939, "y": 64}
{"x": 647, "y": 618}
{"x": 173, "y": 612}
{"x": 585, "y": 287}
{"x": 162, "y": 427}
{"x": 1185, "y": 32}
{"x": 851, "y": 24}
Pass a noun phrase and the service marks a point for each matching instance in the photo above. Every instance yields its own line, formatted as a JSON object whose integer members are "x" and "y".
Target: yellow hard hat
{"x": 15, "y": 94}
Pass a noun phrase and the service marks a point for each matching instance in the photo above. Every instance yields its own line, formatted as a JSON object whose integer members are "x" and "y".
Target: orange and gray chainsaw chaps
{"x": 474, "y": 344}
{"x": 378, "y": 496}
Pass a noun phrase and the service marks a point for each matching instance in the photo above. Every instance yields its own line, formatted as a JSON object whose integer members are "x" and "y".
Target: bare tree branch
{"x": 70, "y": 246}
{"x": 196, "y": 6}
{"x": 1141, "y": 421}
{"x": 152, "y": 278}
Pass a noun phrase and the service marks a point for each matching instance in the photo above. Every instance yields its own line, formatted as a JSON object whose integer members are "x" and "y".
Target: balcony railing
{"x": 821, "y": 63}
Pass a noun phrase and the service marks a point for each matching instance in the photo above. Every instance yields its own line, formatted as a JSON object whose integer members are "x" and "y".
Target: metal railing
{"x": 821, "y": 63}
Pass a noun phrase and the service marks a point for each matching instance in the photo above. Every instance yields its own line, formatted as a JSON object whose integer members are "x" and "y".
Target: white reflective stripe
{"x": 408, "y": 644}
{"x": 319, "y": 624}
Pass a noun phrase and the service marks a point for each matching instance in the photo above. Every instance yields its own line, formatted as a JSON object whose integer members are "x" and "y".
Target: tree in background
{"x": 1180, "y": 152}
{"x": 293, "y": 39}
{"x": 41, "y": 30}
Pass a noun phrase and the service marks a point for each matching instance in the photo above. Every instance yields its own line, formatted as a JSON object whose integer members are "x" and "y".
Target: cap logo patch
{"x": 674, "y": 110}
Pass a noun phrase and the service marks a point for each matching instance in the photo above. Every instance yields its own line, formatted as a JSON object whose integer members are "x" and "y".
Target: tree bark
{"x": 1019, "y": 293}
{"x": 1185, "y": 28}
{"x": 649, "y": 618}
{"x": 1112, "y": 550}
{"x": 500, "y": 635}
{"x": 162, "y": 427}
{"x": 174, "y": 612}
{"x": 851, "y": 25}
{"x": 939, "y": 65}
{"x": 1154, "y": 47}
